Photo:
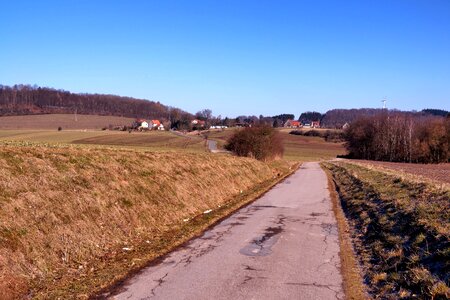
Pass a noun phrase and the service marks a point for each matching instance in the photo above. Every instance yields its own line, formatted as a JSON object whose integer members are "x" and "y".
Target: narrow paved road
{"x": 212, "y": 145}
{"x": 283, "y": 246}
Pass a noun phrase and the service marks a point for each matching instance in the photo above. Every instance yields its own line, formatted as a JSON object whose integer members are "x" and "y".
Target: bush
{"x": 262, "y": 142}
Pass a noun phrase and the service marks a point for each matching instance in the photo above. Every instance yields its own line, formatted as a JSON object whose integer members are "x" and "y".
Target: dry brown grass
{"x": 353, "y": 283}
{"x": 439, "y": 173}
{"x": 66, "y": 121}
{"x": 400, "y": 230}
{"x": 156, "y": 140}
{"x": 296, "y": 147}
{"x": 74, "y": 220}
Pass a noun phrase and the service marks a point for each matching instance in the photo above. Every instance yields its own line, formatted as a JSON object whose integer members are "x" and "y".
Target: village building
{"x": 292, "y": 124}
{"x": 155, "y": 124}
{"x": 199, "y": 123}
{"x": 315, "y": 124}
{"x": 140, "y": 124}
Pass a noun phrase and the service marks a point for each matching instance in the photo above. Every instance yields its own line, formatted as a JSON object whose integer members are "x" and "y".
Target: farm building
{"x": 292, "y": 124}
{"x": 199, "y": 123}
{"x": 155, "y": 124}
{"x": 140, "y": 124}
{"x": 315, "y": 124}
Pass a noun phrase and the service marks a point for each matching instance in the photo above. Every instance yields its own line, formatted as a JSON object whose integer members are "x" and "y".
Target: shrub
{"x": 262, "y": 142}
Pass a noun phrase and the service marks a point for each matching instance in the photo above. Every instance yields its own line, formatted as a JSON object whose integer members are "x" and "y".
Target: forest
{"x": 27, "y": 99}
{"x": 400, "y": 137}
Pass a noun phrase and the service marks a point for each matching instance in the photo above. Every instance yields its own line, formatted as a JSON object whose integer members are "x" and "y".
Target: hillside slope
{"x": 76, "y": 219}
{"x": 65, "y": 121}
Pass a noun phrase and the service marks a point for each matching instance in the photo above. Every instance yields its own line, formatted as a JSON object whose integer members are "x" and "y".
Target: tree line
{"x": 27, "y": 99}
{"x": 400, "y": 137}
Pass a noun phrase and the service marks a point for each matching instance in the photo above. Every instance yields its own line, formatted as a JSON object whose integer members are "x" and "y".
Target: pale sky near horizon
{"x": 234, "y": 57}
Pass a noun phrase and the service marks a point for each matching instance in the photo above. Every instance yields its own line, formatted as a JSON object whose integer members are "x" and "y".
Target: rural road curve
{"x": 283, "y": 246}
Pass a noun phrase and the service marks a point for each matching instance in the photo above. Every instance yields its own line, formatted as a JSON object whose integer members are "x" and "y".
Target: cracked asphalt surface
{"x": 283, "y": 246}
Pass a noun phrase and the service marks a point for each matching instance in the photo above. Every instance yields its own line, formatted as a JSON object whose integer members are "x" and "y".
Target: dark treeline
{"x": 310, "y": 116}
{"x": 400, "y": 137}
{"x": 26, "y": 99}
{"x": 336, "y": 118}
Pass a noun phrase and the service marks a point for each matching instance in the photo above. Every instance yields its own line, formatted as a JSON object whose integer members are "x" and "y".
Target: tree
{"x": 260, "y": 142}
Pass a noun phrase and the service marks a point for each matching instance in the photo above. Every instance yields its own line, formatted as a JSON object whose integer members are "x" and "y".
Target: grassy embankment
{"x": 400, "y": 231}
{"x": 76, "y": 219}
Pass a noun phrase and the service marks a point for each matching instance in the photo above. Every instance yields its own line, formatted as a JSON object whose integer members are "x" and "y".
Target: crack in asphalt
{"x": 160, "y": 281}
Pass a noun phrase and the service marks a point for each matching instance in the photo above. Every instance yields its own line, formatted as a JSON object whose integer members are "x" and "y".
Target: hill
{"x": 29, "y": 100}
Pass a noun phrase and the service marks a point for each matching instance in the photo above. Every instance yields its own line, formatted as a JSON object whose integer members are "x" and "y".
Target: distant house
{"x": 199, "y": 123}
{"x": 161, "y": 127}
{"x": 345, "y": 126}
{"x": 155, "y": 124}
{"x": 315, "y": 124}
{"x": 140, "y": 124}
{"x": 292, "y": 124}
{"x": 306, "y": 124}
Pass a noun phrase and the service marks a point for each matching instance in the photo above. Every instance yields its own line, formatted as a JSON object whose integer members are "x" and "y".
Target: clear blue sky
{"x": 234, "y": 57}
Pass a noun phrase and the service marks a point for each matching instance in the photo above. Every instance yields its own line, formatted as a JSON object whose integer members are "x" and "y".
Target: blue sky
{"x": 234, "y": 57}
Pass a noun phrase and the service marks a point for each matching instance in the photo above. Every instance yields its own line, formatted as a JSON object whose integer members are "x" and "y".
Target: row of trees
{"x": 26, "y": 99}
{"x": 400, "y": 137}
{"x": 336, "y": 118}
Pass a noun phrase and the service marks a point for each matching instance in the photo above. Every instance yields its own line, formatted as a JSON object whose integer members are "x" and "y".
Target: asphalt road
{"x": 283, "y": 246}
{"x": 212, "y": 145}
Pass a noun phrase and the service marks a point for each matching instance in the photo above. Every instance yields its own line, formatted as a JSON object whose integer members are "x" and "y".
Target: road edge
{"x": 353, "y": 285}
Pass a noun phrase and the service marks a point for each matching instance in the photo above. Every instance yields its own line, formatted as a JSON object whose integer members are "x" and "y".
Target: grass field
{"x": 400, "y": 231}
{"x": 438, "y": 173}
{"x": 66, "y": 121}
{"x": 296, "y": 148}
{"x": 152, "y": 140}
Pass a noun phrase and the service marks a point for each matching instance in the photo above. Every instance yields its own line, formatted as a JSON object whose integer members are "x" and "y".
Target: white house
{"x": 143, "y": 124}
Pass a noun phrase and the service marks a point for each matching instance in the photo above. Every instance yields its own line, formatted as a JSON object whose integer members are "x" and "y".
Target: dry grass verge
{"x": 400, "y": 230}
{"x": 74, "y": 220}
{"x": 353, "y": 285}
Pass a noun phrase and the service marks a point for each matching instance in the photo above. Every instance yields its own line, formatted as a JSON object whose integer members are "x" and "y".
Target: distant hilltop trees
{"x": 27, "y": 99}
{"x": 337, "y": 118}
